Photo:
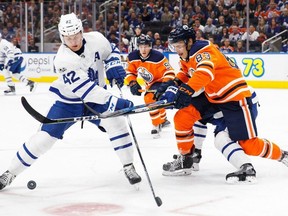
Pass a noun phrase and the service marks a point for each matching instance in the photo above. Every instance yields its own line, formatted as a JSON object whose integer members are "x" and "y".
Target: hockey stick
{"x": 156, "y": 198}
{"x": 127, "y": 111}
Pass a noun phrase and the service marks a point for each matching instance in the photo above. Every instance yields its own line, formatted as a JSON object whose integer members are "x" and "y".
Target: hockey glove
{"x": 1, "y": 67}
{"x": 169, "y": 94}
{"x": 162, "y": 88}
{"x": 116, "y": 103}
{"x": 115, "y": 71}
{"x": 135, "y": 87}
{"x": 183, "y": 96}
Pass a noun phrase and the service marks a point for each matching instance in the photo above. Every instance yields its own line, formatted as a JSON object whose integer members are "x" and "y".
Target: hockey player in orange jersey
{"x": 204, "y": 67}
{"x": 154, "y": 68}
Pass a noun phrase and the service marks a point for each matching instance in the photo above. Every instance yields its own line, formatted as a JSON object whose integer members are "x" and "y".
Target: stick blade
{"x": 34, "y": 113}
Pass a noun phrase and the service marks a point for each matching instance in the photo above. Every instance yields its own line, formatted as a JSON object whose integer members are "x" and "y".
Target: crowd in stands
{"x": 221, "y": 21}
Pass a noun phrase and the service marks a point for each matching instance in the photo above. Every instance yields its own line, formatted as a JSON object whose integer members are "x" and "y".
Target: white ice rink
{"x": 81, "y": 175}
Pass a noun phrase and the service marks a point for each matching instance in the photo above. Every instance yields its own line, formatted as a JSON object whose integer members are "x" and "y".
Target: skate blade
{"x": 195, "y": 167}
{"x": 156, "y": 136}
{"x": 184, "y": 172}
{"x": 10, "y": 93}
{"x": 248, "y": 180}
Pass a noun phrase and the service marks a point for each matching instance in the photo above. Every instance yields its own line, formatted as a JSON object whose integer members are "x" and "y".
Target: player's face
{"x": 180, "y": 48}
{"x": 74, "y": 42}
{"x": 144, "y": 50}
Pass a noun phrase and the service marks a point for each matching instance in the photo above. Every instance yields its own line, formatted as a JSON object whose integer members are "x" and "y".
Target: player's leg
{"x": 16, "y": 69}
{"x": 200, "y": 132}
{"x": 236, "y": 156}
{"x": 184, "y": 120}
{"x": 155, "y": 116}
{"x": 240, "y": 120}
{"x": 122, "y": 143}
{"x": 41, "y": 142}
{"x": 8, "y": 78}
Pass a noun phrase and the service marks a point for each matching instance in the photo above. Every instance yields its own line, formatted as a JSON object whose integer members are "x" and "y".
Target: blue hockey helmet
{"x": 181, "y": 33}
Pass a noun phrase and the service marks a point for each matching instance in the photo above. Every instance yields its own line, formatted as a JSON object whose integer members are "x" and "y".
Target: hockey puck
{"x": 31, "y": 185}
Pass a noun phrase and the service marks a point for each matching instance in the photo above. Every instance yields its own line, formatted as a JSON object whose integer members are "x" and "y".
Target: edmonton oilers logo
{"x": 146, "y": 75}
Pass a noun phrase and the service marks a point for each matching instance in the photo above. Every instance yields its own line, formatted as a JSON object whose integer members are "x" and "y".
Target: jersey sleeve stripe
{"x": 57, "y": 92}
{"x": 80, "y": 86}
{"x": 206, "y": 71}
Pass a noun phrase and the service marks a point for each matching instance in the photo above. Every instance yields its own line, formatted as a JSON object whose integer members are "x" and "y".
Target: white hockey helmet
{"x": 69, "y": 25}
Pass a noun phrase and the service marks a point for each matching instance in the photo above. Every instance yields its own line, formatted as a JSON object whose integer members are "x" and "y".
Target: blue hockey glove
{"x": 135, "y": 87}
{"x": 123, "y": 103}
{"x": 169, "y": 94}
{"x": 162, "y": 88}
{"x": 183, "y": 96}
{"x": 1, "y": 67}
{"x": 115, "y": 70}
{"x": 116, "y": 103}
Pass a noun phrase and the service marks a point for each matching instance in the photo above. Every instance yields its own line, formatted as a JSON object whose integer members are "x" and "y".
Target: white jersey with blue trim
{"x": 8, "y": 51}
{"x": 83, "y": 76}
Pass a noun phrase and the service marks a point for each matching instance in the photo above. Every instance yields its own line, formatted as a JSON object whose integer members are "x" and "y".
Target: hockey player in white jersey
{"x": 80, "y": 62}
{"x": 11, "y": 60}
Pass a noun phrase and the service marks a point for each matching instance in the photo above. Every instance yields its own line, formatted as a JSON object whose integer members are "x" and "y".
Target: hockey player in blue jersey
{"x": 80, "y": 62}
{"x": 11, "y": 64}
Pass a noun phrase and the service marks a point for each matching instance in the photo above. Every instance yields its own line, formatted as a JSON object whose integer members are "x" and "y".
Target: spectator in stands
{"x": 273, "y": 28}
{"x": 146, "y": 17}
{"x": 283, "y": 18}
{"x": 227, "y": 17}
{"x": 175, "y": 21}
{"x": 262, "y": 26}
{"x": 271, "y": 11}
{"x": 158, "y": 45}
{"x": 6, "y": 35}
{"x": 156, "y": 14}
{"x": 200, "y": 15}
{"x": 212, "y": 40}
{"x": 199, "y": 35}
{"x": 226, "y": 48}
{"x": 126, "y": 29}
{"x": 155, "y": 37}
{"x": 209, "y": 28}
{"x": 252, "y": 34}
{"x": 262, "y": 37}
{"x": 15, "y": 42}
{"x": 221, "y": 24}
{"x": 224, "y": 34}
{"x": 32, "y": 46}
{"x": 166, "y": 15}
{"x": 198, "y": 24}
{"x": 235, "y": 35}
{"x": 189, "y": 11}
{"x": 239, "y": 46}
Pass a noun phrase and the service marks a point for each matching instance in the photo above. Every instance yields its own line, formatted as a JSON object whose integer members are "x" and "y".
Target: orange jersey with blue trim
{"x": 210, "y": 69}
{"x": 155, "y": 68}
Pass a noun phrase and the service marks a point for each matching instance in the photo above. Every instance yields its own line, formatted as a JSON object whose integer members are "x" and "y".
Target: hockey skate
{"x": 166, "y": 123}
{"x": 284, "y": 158}
{"x": 156, "y": 131}
{"x": 246, "y": 174}
{"x": 10, "y": 91}
{"x": 31, "y": 85}
{"x": 131, "y": 174}
{"x": 181, "y": 166}
{"x": 6, "y": 179}
{"x": 196, "y": 159}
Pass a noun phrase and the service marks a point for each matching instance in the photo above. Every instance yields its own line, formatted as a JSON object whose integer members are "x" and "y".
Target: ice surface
{"x": 81, "y": 174}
